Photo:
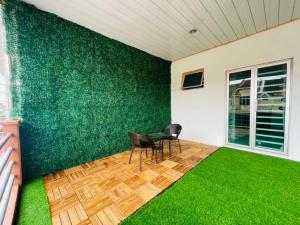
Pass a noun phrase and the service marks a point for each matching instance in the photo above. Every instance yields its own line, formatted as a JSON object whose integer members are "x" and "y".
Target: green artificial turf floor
{"x": 230, "y": 187}
{"x": 33, "y": 207}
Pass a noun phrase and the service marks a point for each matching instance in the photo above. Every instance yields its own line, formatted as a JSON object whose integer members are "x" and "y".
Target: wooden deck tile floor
{"x": 108, "y": 190}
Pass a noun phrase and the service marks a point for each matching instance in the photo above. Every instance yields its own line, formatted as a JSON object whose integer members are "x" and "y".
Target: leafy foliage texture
{"x": 77, "y": 92}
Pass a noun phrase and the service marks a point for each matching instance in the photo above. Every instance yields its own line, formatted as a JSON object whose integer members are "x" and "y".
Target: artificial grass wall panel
{"x": 77, "y": 92}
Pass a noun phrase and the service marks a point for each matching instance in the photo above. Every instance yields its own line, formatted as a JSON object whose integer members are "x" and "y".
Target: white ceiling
{"x": 161, "y": 27}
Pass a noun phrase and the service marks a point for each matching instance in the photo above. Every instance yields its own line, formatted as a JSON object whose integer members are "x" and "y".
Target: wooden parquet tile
{"x": 148, "y": 175}
{"x": 63, "y": 204}
{"x": 97, "y": 204}
{"x": 182, "y": 168}
{"x": 169, "y": 163}
{"x": 119, "y": 191}
{"x": 172, "y": 174}
{"x": 135, "y": 182}
{"x": 130, "y": 203}
{"x": 87, "y": 193}
{"x": 108, "y": 190}
{"x": 162, "y": 182}
{"x": 148, "y": 191}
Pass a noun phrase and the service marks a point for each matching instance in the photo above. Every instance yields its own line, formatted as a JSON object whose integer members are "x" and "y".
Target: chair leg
{"x": 179, "y": 145}
{"x": 162, "y": 149}
{"x": 141, "y": 159}
{"x": 169, "y": 148}
{"x": 156, "y": 156}
{"x": 146, "y": 152}
{"x": 130, "y": 154}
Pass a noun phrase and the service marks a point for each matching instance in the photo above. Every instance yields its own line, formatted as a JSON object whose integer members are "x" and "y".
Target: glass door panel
{"x": 239, "y": 92}
{"x": 271, "y": 107}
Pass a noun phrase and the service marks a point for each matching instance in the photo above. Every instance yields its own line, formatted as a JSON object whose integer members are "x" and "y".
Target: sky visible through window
{"x": 4, "y": 75}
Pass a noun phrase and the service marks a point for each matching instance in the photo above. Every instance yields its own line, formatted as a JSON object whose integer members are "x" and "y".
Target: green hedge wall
{"x": 77, "y": 92}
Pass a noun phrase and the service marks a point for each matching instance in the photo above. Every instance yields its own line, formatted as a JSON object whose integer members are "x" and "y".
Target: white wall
{"x": 202, "y": 111}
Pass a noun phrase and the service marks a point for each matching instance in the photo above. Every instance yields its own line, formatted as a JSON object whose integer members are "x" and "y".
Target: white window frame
{"x": 253, "y": 107}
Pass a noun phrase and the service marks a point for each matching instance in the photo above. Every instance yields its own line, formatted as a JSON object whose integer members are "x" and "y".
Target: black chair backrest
{"x": 173, "y": 129}
{"x": 141, "y": 141}
{"x": 135, "y": 139}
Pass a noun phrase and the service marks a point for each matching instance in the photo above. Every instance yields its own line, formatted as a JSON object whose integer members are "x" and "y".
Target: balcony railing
{"x": 10, "y": 170}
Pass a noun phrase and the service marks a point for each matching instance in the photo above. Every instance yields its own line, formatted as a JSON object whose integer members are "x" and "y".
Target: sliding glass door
{"x": 257, "y": 107}
{"x": 239, "y": 107}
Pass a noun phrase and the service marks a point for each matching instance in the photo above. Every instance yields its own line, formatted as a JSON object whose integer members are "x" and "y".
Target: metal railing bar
{"x": 271, "y": 72}
{"x": 270, "y": 117}
{"x": 5, "y": 139}
{"x": 270, "y": 142}
{"x": 271, "y": 104}
{"x": 264, "y": 98}
{"x": 5, "y": 199}
{"x": 269, "y": 136}
{"x": 4, "y": 177}
{"x": 270, "y": 92}
{"x": 270, "y": 123}
{"x": 272, "y": 130}
{"x": 270, "y": 111}
{"x": 271, "y": 85}
{"x": 4, "y": 158}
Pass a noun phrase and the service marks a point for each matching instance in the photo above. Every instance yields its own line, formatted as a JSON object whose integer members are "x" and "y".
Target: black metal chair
{"x": 173, "y": 131}
{"x": 143, "y": 142}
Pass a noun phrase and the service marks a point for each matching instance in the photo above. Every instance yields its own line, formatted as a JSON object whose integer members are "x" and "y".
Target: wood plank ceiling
{"x": 161, "y": 27}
